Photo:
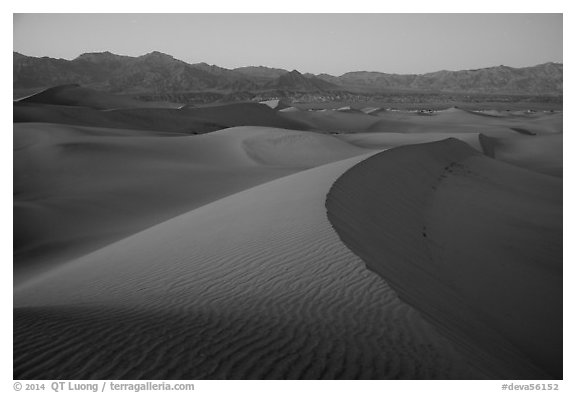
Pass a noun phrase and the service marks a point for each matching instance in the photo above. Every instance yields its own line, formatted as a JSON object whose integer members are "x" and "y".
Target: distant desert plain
{"x": 271, "y": 239}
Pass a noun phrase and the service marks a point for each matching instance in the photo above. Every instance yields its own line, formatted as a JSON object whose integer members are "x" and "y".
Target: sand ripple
{"x": 255, "y": 285}
{"x": 472, "y": 243}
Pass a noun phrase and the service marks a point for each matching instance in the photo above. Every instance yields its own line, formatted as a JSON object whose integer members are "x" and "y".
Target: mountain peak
{"x": 157, "y": 71}
{"x": 95, "y": 56}
{"x": 295, "y": 80}
{"x": 157, "y": 55}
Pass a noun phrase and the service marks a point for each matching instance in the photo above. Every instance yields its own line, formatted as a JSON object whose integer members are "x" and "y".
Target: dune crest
{"x": 76, "y": 95}
{"x": 100, "y": 185}
{"x": 472, "y": 243}
{"x": 254, "y": 285}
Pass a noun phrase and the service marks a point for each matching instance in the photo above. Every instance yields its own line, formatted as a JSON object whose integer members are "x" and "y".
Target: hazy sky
{"x": 330, "y": 43}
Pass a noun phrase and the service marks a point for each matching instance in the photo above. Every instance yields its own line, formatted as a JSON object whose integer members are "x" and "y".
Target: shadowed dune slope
{"x": 472, "y": 243}
{"x": 540, "y": 153}
{"x": 156, "y": 119}
{"x": 254, "y": 285}
{"x": 75, "y": 95}
{"x": 19, "y": 93}
{"x": 78, "y": 188}
{"x": 331, "y": 120}
{"x": 185, "y": 120}
{"x": 245, "y": 114}
{"x": 388, "y": 140}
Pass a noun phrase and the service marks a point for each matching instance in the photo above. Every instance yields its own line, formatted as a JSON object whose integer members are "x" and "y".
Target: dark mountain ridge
{"x": 159, "y": 73}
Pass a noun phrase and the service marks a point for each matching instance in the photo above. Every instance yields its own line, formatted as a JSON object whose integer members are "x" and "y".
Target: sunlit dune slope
{"x": 78, "y": 188}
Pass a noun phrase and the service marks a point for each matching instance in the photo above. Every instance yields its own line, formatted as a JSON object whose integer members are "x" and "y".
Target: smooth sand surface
{"x": 255, "y": 285}
{"x": 289, "y": 109}
{"x": 155, "y": 119}
{"x": 540, "y": 153}
{"x": 19, "y": 93}
{"x": 332, "y": 120}
{"x": 190, "y": 120}
{"x": 472, "y": 243}
{"x": 276, "y": 104}
{"x": 388, "y": 140}
{"x": 79, "y": 188}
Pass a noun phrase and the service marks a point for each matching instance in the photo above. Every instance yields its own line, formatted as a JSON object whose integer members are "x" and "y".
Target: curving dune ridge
{"x": 274, "y": 250}
{"x": 75, "y": 95}
{"x": 254, "y": 285}
{"x": 80, "y": 188}
{"x": 472, "y": 243}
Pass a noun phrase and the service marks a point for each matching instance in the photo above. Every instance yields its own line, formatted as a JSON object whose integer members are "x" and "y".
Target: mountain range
{"x": 159, "y": 73}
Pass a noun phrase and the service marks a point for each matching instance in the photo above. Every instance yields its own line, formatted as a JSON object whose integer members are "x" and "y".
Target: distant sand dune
{"x": 388, "y": 140}
{"x": 245, "y": 114}
{"x": 276, "y": 104}
{"x": 79, "y": 188}
{"x": 186, "y": 120}
{"x": 294, "y": 149}
{"x": 472, "y": 243}
{"x": 461, "y": 121}
{"x": 454, "y": 120}
{"x": 75, "y": 95}
{"x": 332, "y": 120}
{"x": 150, "y": 119}
{"x": 255, "y": 285}
{"x": 540, "y": 153}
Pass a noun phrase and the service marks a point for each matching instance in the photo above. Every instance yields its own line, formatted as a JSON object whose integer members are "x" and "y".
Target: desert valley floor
{"x": 263, "y": 241}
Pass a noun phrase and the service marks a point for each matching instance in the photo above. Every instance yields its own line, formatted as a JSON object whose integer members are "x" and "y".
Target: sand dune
{"x": 79, "y": 188}
{"x": 265, "y": 248}
{"x": 472, "y": 243}
{"x": 388, "y": 140}
{"x": 289, "y": 109}
{"x": 332, "y": 120}
{"x": 185, "y": 120}
{"x": 156, "y": 119}
{"x": 540, "y": 153}
{"x": 254, "y": 285}
{"x": 453, "y": 121}
{"x": 19, "y": 93}
{"x": 298, "y": 149}
{"x": 276, "y": 104}
{"x": 459, "y": 121}
{"x": 75, "y": 95}
{"x": 245, "y": 114}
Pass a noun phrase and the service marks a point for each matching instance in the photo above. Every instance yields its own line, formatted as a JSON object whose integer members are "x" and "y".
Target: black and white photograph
{"x": 288, "y": 196}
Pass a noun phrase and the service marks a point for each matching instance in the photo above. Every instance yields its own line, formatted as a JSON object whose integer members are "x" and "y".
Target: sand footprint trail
{"x": 251, "y": 260}
{"x": 254, "y": 285}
